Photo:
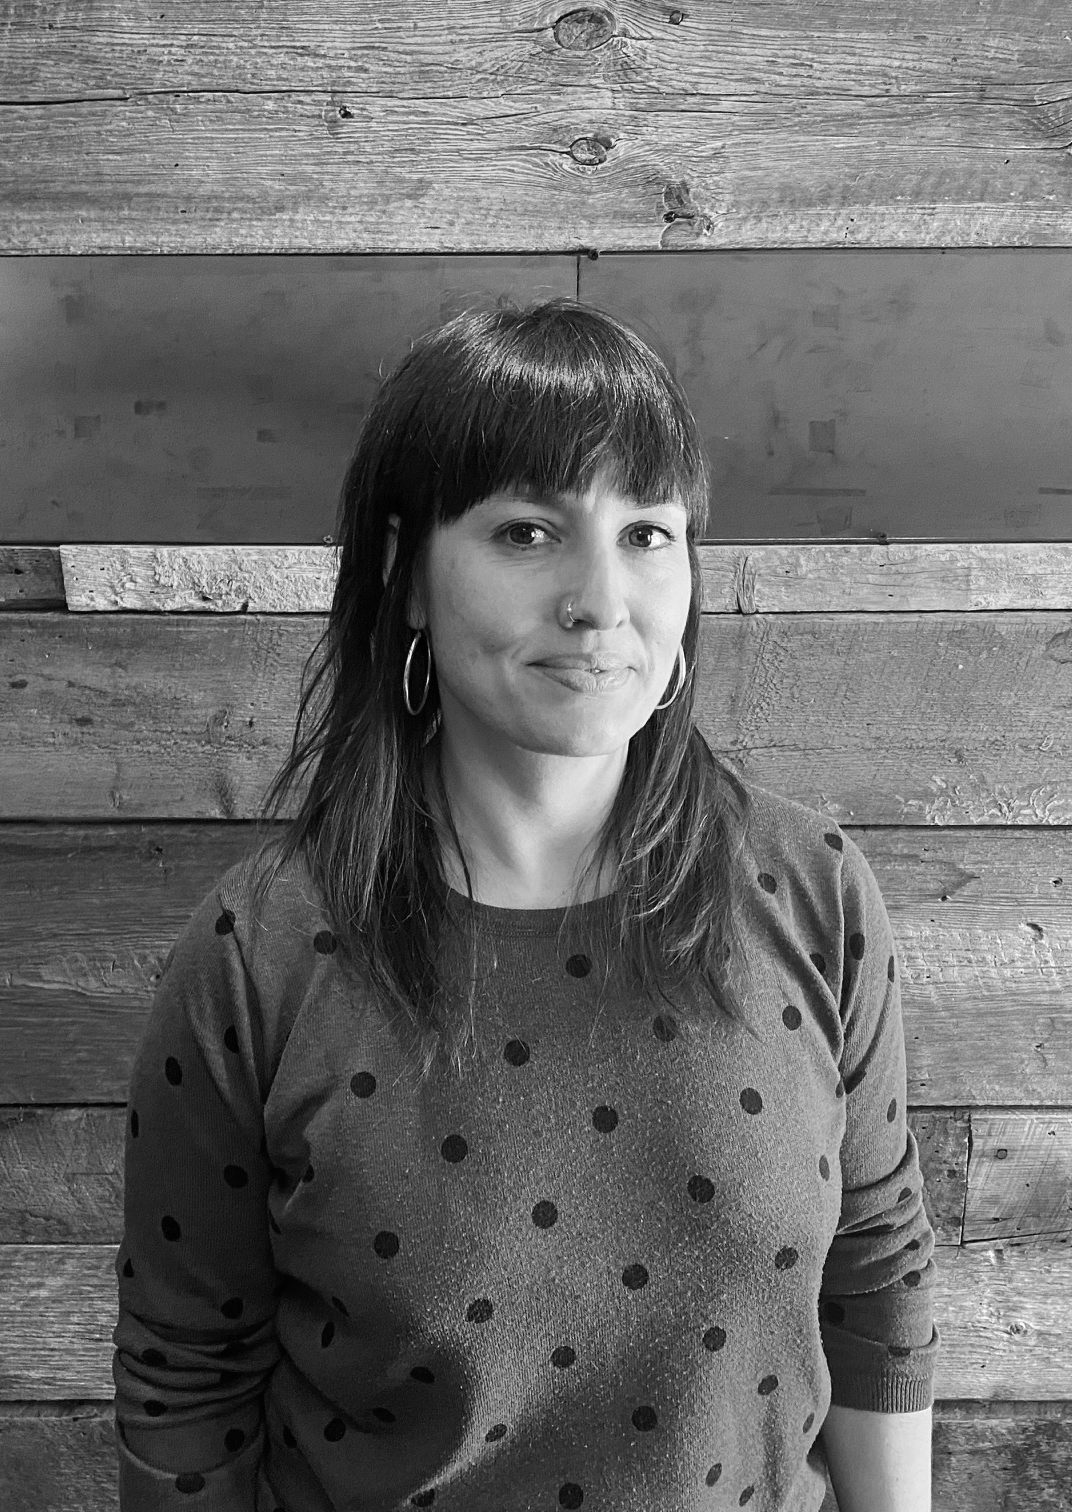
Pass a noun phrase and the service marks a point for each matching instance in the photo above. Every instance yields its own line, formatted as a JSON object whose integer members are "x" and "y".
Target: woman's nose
{"x": 595, "y": 587}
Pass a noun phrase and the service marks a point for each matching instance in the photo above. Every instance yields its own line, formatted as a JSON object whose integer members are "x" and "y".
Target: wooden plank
{"x": 1020, "y": 1184}
{"x": 983, "y": 934}
{"x": 930, "y": 719}
{"x": 796, "y": 123}
{"x": 987, "y": 1457}
{"x": 1003, "y": 1314}
{"x": 754, "y": 578}
{"x": 30, "y": 578}
{"x": 62, "y": 1171}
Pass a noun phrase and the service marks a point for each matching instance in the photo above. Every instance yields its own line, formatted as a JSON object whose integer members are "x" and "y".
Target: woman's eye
{"x": 658, "y": 530}
{"x": 522, "y": 525}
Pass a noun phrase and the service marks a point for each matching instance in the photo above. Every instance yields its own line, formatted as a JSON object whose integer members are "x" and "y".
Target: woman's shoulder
{"x": 273, "y": 906}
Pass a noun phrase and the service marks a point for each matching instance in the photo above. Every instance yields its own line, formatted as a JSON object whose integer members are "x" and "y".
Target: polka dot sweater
{"x": 616, "y": 1266}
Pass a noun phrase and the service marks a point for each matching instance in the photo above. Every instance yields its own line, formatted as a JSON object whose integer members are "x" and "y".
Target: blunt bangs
{"x": 542, "y": 399}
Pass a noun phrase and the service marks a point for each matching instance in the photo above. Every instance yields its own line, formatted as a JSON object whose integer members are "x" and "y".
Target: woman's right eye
{"x": 523, "y": 525}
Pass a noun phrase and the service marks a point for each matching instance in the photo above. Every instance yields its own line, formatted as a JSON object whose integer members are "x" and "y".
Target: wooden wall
{"x": 849, "y": 229}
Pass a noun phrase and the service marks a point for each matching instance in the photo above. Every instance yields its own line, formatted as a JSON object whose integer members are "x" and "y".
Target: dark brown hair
{"x": 539, "y": 397}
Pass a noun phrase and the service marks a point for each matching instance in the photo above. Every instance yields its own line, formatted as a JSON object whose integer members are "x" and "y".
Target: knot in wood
{"x": 582, "y": 30}
{"x": 676, "y": 17}
{"x": 590, "y": 150}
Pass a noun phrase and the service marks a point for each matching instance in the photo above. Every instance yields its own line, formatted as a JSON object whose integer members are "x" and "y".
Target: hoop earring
{"x": 405, "y": 674}
{"x": 682, "y": 673}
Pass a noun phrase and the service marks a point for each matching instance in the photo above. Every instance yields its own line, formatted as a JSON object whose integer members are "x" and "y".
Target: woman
{"x": 524, "y": 1126}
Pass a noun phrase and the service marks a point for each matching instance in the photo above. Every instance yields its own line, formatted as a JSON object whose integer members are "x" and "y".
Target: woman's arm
{"x": 879, "y": 1461}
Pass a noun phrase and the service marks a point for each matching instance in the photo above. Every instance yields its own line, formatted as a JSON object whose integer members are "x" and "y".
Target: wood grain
{"x": 907, "y": 718}
{"x": 762, "y": 577}
{"x": 1002, "y": 1313}
{"x": 61, "y": 1172}
{"x": 988, "y": 1457}
{"x": 471, "y": 128}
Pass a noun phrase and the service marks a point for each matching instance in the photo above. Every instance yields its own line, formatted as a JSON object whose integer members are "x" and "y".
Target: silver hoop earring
{"x": 682, "y": 673}
{"x": 405, "y": 674}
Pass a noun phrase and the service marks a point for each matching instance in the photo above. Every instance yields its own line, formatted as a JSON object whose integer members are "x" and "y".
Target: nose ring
{"x": 569, "y": 611}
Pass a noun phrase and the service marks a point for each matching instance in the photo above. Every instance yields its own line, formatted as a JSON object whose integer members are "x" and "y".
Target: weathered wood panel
{"x": 210, "y": 398}
{"x": 532, "y": 126}
{"x": 61, "y": 1172}
{"x": 988, "y": 1457}
{"x": 760, "y": 578}
{"x": 1003, "y": 1313}
{"x": 925, "y": 719}
{"x": 30, "y": 578}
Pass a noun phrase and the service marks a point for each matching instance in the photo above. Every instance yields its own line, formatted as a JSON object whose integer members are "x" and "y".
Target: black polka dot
{"x": 170, "y": 1227}
{"x": 225, "y": 922}
{"x": 913, "y": 1244}
{"x": 235, "y": 1176}
{"x": 494, "y": 1434}
{"x": 479, "y": 1311}
{"x": 423, "y": 1374}
{"x": 516, "y": 1052}
{"x": 334, "y": 1430}
{"x": 899, "y": 1351}
{"x": 570, "y": 1495}
{"x": 154, "y": 1408}
{"x": 134, "y": 1123}
{"x": 128, "y": 1269}
{"x": 327, "y": 1333}
{"x": 645, "y": 1419}
{"x": 904, "y": 1194}
{"x": 700, "y": 1189}
{"x": 856, "y": 946}
{"x": 839, "y": 1090}
{"x": 288, "y": 1438}
{"x": 422, "y": 1499}
{"x": 233, "y": 1439}
{"x": 454, "y": 1148}
{"x": 767, "y": 882}
{"x": 786, "y": 1258}
{"x": 154, "y": 1357}
{"x": 230, "y": 1039}
{"x": 363, "y": 1084}
{"x": 751, "y": 1101}
{"x": 834, "y": 842}
{"x": 835, "y": 1313}
{"x": 383, "y": 1414}
{"x": 635, "y": 1276}
{"x": 309, "y": 1174}
{"x": 544, "y": 1215}
{"x": 232, "y": 1308}
{"x": 768, "y": 1384}
{"x": 605, "y": 1120}
{"x": 664, "y": 1027}
{"x": 856, "y": 1078}
{"x": 819, "y": 962}
{"x": 578, "y": 965}
{"x": 173, "y": 1071}
{"x": 791, "y": 1016}
{"x": 341, "y": 1306}
{"x": 891, "y": 1111}
{"x": 824, "y": 1168}
{"x": 808, "y": 1421}
{"x": 713, "y": 1475}
{"x": 714, "y": 1339}
{"x": 190, "y": 1482}
{"x": 889, "y": 969}
{"x": 324, "y": 942}
{"x": 385, "y": 1244}
{"x": 746, "y": 1495}
{"x": 912, "y": 1278}
{"x": 563, "y": 1357}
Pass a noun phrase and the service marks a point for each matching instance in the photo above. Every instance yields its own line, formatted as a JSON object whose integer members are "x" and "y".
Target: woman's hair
{"x": 542, "y": 397}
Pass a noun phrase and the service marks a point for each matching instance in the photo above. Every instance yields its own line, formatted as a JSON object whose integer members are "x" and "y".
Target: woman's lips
{"x": 582, "y": 681}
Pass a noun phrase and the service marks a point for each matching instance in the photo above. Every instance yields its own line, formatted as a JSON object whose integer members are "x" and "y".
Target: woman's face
{"x": 491, "y": 591}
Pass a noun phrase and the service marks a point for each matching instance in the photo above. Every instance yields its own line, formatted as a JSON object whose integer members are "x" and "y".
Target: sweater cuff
{"x": 874, "y": 1377}
{"x": 228, "y": 1488}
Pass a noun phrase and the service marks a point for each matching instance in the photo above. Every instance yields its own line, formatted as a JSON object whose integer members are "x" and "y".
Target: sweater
{"x": 616, "y": 1266}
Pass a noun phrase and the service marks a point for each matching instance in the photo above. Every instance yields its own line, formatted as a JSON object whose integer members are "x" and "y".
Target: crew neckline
{"x": 529, "y": 921}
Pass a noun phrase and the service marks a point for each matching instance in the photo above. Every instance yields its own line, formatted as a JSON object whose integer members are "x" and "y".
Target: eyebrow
{"x": 561, "y": 501}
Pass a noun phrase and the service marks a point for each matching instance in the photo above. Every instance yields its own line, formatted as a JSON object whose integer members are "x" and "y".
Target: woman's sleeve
{"x": 195, "y": 1338}
{"x": 877, "y": 1295}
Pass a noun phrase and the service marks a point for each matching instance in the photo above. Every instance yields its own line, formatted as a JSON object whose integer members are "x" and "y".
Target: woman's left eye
{"x": 660, "y": 529}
